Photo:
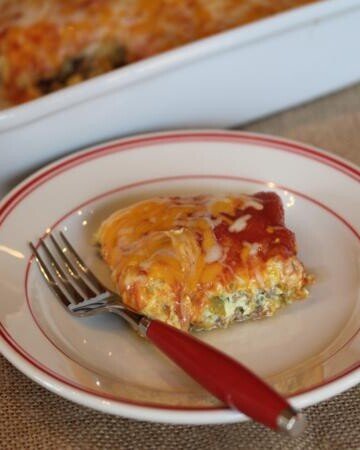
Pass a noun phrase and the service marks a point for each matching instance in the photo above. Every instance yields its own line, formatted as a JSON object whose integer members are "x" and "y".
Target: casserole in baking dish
{"x": 227, "y": 79}
{"x": 48, "y": 44}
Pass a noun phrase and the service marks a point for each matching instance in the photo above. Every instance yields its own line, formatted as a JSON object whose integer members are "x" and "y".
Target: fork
{"x": 82, "y": 294}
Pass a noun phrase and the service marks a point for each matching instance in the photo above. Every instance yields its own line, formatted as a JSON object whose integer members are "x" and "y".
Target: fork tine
{"x": 83, "y": 267}
{"x": 73, "y": 291}
{"x": 50, "y": 280}
{"x": 73, "y": 272}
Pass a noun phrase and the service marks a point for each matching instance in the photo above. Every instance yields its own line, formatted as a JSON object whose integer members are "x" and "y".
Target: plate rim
{"x": 161, "y": 413}
{"x": 126, "y": 187}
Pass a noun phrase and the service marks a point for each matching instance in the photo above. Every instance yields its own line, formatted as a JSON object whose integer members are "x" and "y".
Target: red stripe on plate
{"x": 134, "y": 143}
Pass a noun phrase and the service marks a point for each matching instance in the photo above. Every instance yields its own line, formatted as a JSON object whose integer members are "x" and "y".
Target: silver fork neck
{"x": 104, "y": 299}
{"x": 110, "y": 302}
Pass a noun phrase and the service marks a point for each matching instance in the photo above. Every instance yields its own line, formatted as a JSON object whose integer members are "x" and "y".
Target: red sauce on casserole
{"x": 264, "y": 227}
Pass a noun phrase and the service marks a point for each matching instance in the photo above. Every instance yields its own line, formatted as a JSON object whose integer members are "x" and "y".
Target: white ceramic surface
{"x": 224, "y": 80}
{"x": 309, "y": 351}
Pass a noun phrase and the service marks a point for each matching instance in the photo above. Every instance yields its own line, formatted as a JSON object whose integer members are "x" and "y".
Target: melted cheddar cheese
{"x": 203, "y": 261}
{"x": 48, "y": 44}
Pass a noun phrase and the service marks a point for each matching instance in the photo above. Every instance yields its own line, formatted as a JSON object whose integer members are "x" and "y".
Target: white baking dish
{"x": 227, "y": 79}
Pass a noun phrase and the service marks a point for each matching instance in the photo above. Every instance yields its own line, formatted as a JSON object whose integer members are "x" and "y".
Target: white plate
{"x": 309, "y": 351}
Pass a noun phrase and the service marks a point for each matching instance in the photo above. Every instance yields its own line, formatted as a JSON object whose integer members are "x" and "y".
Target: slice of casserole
{"x": 204, "y": 261}
{"x": 46, "y": 45}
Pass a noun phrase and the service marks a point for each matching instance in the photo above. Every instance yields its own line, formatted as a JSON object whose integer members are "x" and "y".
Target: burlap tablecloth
{"x": 33, "y": 418}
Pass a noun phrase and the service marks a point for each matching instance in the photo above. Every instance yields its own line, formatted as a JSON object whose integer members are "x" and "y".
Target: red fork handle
{"x": 225, "y": 378}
